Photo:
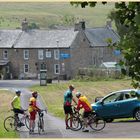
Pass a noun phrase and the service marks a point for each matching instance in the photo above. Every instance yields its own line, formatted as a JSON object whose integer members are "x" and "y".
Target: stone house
{"x": 23, "y": 53}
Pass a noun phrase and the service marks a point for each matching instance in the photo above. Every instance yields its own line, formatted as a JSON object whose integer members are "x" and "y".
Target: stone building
{"x": 23, "y": 53}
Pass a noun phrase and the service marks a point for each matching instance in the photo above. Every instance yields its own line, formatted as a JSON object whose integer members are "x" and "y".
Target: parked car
{"x": 119, "y": 104}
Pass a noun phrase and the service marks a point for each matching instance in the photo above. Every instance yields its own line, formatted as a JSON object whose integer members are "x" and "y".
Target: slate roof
{"x": 36, "y": 38}
{"x": 98, "y": 36}
{"x": 8, "y": 37}
{"x": 48, "y": 38}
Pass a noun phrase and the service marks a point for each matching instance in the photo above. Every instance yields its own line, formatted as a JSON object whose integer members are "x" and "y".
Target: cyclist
{"x": 84, "y": 103}
{"x": 16, "y": 105}
{"x": 68, "y": 97}
{"x": 33, "y": 108}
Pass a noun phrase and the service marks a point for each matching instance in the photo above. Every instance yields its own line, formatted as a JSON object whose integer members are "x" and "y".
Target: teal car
{"x": 119, "y": 104}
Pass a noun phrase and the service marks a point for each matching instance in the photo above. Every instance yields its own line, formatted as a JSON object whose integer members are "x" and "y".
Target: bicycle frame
{"x": 93, "y": 121}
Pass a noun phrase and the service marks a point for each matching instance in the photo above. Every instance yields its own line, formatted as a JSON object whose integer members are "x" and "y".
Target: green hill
{"x": 49, "y": 14}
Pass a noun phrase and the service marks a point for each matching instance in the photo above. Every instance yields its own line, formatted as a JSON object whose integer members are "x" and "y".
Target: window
{"x": 40, "y": 54}
{"x": 48, "y": 54}
{"x": 26, "y": 54}
{"x": 5, "y": 54}
{"x": 43, "y": 66}
{"x": 26, "y": 68}
{"x": 113, "y": 98}
{"x": 56, "y": 54}
{"x": 56, "y": 68}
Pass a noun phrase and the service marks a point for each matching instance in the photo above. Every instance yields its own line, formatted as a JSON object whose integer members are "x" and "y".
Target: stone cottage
{"x": 23, "y": 53}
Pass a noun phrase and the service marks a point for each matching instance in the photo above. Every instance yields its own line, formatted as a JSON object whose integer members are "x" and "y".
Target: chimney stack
{"x": 24, "y": 25}
{"x": 80, "y": 26}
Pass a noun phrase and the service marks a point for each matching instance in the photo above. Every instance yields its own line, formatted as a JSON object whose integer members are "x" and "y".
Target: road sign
{"x": 64, "y": 55}
{"x": 117, "y": 52}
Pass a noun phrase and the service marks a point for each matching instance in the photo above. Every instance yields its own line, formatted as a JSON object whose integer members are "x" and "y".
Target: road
{"x": 55, "y": 127}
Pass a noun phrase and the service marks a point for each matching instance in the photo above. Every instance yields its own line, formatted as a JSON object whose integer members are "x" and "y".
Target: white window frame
{"x": 5, "y": 55}
{"x": 26, "y": 54}
{"x": 48, "y": 54}
{"x": 26, "y": 68}
{"x": 40, "y": 54}
{"x": 56, "y": 54}
{"x": 55, "y": 68}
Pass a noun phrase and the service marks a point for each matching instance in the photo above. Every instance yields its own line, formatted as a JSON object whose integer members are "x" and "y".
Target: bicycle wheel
{"x": 10, "y": 124}
{"x": 42, "y": 126}
{"x": 97, "y": 123}
{"x": 39, "y": 126}
{"x": 76, "y": 124}
{"x": 27, "y": 122}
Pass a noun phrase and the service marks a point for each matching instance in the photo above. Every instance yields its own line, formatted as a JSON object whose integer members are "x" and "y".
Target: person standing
{"x": 68, "y": 98}
{"x": 33, "y": 108}
{"x": 84, "y": 103}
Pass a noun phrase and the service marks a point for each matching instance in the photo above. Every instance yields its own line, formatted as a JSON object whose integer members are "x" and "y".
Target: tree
{"x": 33, "y": 26}
{"x": 127, "y": 20}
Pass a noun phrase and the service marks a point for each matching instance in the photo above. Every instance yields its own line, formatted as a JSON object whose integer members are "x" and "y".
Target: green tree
{"x": 33, "y": 26}
{"x": 127, "y": 20}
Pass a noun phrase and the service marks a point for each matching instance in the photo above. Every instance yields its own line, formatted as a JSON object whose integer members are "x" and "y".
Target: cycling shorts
{"x": 18, "y": 111}
{"x": 67, "y": 109}
{"x": 86, "y": 114}
{"x": 33, "y": 115}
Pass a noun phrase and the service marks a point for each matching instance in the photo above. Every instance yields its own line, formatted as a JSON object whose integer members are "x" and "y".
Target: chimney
{"x": 80, "y": 26}
{"x": 109, "y": 24}
{"x": 24, "y": 25}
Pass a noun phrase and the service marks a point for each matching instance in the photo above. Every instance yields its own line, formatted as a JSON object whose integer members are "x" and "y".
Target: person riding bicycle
{"x": 33, "y": 108}
{"x": 84, "y": 103}
{"x": 68, "y": 97}
{"x": 16, "y": 105}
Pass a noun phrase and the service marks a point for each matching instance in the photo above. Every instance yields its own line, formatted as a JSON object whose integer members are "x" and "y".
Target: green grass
{"x": 46, "y": 14}
{"x": 52, "y": 94}
{"x": 5, "y": 99}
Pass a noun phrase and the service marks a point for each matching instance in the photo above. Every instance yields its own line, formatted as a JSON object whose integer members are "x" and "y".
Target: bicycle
{"x": 95, "y": 122}
{"x": 40, "y": 121}
{"x": 12, "y": 123}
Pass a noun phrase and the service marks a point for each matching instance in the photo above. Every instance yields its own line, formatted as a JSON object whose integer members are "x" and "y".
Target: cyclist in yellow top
{"x": 84, "y": 103}
{"x": 16, "y": 104}
{"x": 33, "y": 108}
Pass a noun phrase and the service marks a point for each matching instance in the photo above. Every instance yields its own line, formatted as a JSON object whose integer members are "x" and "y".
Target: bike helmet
{"x": 71, "y": 87}
{"x": 17, "y": 91}
{"x": 34, "y": 93}
{"x": 78, "y": 94}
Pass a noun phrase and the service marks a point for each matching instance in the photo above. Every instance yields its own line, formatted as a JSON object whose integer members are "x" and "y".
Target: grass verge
{"x": 5, "y": 99}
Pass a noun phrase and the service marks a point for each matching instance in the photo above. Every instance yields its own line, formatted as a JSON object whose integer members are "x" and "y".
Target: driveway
{"x": 55, "y": 127}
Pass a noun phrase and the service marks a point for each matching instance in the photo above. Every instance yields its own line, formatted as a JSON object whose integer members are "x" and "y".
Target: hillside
{"x": 49, "y": 14}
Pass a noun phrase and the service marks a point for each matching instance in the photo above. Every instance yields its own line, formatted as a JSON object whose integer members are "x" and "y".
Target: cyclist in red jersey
{"x": 84, "y": 103}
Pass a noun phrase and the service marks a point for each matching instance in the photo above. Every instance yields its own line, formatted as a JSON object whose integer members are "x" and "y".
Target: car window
{"x": 113, "y": 98}
{"x": 129, "y": 95}
{"x": 133, "y": 94}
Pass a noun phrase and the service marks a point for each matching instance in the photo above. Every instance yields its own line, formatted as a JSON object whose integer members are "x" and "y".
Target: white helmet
{"x": 78, "y": 94}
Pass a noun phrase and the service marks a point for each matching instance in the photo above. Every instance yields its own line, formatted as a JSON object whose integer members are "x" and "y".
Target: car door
{"x": 109, "y": 106}
{"x": 126, "y": 106}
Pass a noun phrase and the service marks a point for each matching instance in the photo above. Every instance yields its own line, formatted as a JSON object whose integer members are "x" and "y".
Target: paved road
{"x": 55, "y": 128}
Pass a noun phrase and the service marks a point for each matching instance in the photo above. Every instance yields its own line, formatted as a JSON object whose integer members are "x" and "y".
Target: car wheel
{"x": 109, "y": 120}
{"x": 137, "y": 115}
